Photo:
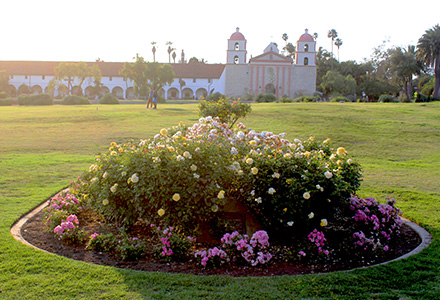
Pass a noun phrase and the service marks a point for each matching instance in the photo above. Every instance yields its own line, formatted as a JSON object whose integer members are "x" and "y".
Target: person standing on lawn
{"x": 150, "y": 99}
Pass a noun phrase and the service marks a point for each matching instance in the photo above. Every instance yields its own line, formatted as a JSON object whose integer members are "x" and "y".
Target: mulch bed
{"x": 33, "y": 231}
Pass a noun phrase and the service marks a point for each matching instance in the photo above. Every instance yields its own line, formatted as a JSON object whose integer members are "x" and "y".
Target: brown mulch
{"x": 33, "y": 231}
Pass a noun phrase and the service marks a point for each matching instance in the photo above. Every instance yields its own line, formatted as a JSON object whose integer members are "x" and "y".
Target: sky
{"x": 115, "y": 31}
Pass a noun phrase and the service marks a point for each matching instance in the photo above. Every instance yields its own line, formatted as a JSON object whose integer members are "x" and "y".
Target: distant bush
{"x": 109, "y": 99}
{"x": 6, "y": 102}
{"x": 265, "y": 98}
{"x": 307, "y": 99}
{"x": 215, "y": 96}
{"x": 359, "y": 100}
{"x": 3, "y": 95}
{"x": 74, "y": 100}
{"x": 40, "y": 99}
{"x": 286, "y": 99}
{"x": 386, "y": 98}
{"x": 247, "y": 97}
{"x": 340, "y": 99}
{"x": 161, "y": 100}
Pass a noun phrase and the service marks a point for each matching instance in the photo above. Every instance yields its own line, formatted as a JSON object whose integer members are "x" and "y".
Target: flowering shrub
{"x": 239, "y": 249}
{"x": 375, "y": 223}
{"x": 227, "y": 110}
{"x": 101, "y": 242}
{"x": 59, "y": 208}
{"x": 130, "y": 248}
{"x": 173, "y": 245}
{"x": 318, "y": 239}
{"x": 212, "y": 258}
{"x": 68, "y": 232}
{"x": 185, "y": 175}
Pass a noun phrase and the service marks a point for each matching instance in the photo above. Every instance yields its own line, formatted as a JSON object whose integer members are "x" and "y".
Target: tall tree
{"x": 428, "y": 50}
{"x": 338, "y": 43}
{"x": 147, "y": 75}
{"x": 68, "y": 71}
{"x": 169, "y": 50}
{"x": 154, "y": 50}
{"x": 4, "y": 82}
{"x": 403, "y": 64}
{"x": 332, "y": 34}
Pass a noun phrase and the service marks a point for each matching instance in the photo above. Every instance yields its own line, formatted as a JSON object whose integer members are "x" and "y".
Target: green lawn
{"x": 43, "y": 148}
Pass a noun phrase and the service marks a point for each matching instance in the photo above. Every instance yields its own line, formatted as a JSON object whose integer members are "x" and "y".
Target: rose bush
{"x": 183, "y": 176}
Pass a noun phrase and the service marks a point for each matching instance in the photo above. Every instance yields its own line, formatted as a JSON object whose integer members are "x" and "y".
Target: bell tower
{"x": 305, "y": 50}
{"x": 236, "y": 53}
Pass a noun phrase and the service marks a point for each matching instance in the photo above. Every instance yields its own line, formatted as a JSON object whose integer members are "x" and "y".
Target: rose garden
{"x": 222, "y": 196}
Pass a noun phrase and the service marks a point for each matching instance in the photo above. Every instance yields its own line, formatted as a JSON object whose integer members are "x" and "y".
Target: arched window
{"x": 236, "y": 60}
{"x": 306, "y": 48}
{"x": 306, "y": 61}
{"x": 237, "y": 46}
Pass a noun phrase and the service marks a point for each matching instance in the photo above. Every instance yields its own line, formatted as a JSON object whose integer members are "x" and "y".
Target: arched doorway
{"x": 201, "y": 93}
{"x": 187, "y": 93}
{"x": 270, "y": 89}
{"x": 129, "y": 93}
{"x": 172, "y": 93}
{"x": 118, "y": 92}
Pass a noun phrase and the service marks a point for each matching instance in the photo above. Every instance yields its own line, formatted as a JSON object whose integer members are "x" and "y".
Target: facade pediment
{"x": 271, "y": 57}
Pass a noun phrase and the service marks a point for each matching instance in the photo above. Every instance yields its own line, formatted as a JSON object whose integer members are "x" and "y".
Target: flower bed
{"x": 301, "y": 194}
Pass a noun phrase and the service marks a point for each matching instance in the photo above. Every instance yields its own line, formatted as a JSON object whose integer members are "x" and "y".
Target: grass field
{"x": 43, "y": 148}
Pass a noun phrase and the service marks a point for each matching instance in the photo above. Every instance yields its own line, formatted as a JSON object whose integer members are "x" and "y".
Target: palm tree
{"x": 154, "y": 51}
{"x": 428, "y": 50}
{"x": 338, "y": 43}
{"x": 169, "y": 50}
{"x": 333, "y": 35}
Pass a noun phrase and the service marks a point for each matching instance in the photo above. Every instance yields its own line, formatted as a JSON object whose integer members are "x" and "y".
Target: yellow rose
{"x": 249, "y": 161}
{"x": 193, "y": 167}
{"x": 323, "y": 223}
{"x": 105, "y": 202}
{"x": 341, "y": 151}
{"x": 161, "y": 212}
{"x": 176, "y": 197}
{"x": 254, "y": 171}
{"x": 163, "y": 131}
{"x": 221, "y": 195}
{"x": 306, "y": 195}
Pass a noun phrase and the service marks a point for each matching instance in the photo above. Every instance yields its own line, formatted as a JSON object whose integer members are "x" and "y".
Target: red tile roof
{"x": 192, "y": 70}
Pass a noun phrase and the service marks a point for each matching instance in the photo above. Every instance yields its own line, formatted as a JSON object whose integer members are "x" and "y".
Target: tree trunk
{"x": 437, "y": 77}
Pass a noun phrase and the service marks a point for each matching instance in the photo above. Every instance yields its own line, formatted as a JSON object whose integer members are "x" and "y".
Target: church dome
{"x": 237, "y": 35}
{"x": 306, "y": 37}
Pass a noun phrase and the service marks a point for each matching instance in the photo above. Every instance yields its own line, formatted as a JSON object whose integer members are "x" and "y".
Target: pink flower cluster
{"x": 213, "y": 255}
{"x": 239, "y": 247}
{"x": 381, "y": 221}
{"x": 165, "y": 239}
{"x": 318, "y": 238}
{"x": 67, "y": 226}
{"x": 60, "y": 202}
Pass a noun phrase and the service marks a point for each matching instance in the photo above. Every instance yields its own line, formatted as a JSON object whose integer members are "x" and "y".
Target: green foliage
{"x": 227, "y": 110}
{"x": 340, "y": 99}
{"x": 184, "y": 176}
{"x": 385, "y": 98}
{"x": 4, "y": 84}
{"x": 428, "y": 88}
{"x": 265, "y": 98}
{"x": 147, "y": 75}
{"x": 109, "y": 98}
{"x": 6, "y": 102}
{"x": 74, "y": 100}
{"x": 130, "y": 248}
{"x": 215, "y": 96}
{"x": 286, "y": 99}
{"x": 3, "y": 95}
{"x": 307, "y": 99}
{"x": 333, "y": 82}
{"x": 101, "y": 242}
{"x": 40, "y": 99}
